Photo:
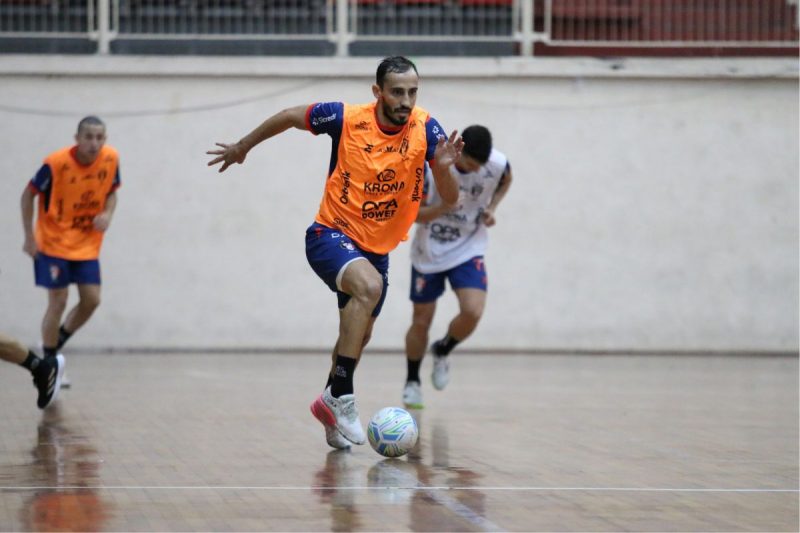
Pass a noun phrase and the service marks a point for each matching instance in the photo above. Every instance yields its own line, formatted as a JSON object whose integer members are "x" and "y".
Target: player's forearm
{"x": 111, "y": 204}
{"x": 430, "y": 212}
{"x": 293, "y": 117}
{"x": 26, "y": 203}
{"x": 500, "y": 192}
{"x": 446, "y": 183}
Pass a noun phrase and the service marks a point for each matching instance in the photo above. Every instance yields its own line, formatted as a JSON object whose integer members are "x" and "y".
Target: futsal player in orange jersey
{"x": 76, "y": 187}
{"x": 371, "y": 198}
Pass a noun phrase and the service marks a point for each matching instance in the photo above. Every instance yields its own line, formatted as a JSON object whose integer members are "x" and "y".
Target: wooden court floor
{"x": 186, "y": 442}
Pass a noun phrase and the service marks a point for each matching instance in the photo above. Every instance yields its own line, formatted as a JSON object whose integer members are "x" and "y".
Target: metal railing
{"x": 565, "y": 23}
{"x": 673, "y": 23}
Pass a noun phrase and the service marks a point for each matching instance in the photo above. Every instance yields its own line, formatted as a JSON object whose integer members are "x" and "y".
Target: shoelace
{"x": 348, "y": 409}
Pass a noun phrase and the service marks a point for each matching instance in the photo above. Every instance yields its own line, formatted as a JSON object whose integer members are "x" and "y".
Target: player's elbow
{"x": 294, "y": 117}
{"x": 450, "y": 196}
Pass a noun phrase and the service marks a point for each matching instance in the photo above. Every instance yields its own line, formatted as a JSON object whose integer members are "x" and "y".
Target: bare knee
{"x": 471, "y": 314}
{"x": 369, "y": 290}
{"x": 363, "y": 283}
{"x": 57, "y": 303}
{"x": 421, "y": 324}
{"x": 423, "y": 318}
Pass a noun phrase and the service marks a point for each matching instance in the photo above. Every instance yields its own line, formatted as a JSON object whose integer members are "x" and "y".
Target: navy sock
{"x": 343, "y": 376}
{"x": 49, "y": 352}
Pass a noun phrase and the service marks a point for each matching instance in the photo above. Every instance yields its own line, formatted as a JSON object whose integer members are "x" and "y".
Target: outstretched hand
{"x": 448, "y": 150}
{"x": 228, "y": 154}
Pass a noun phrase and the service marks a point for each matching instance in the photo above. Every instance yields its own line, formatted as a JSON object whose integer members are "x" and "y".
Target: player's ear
{"x": 376, "y": 90}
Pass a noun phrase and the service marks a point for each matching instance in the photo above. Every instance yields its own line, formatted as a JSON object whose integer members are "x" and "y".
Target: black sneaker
{"x": 47, "y": 378}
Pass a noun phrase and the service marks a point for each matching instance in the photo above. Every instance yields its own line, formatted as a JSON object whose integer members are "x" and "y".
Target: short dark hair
{"x": 477, "y": 143}
{"x": 397, "y": 64}
{"x": 91, "y": 120}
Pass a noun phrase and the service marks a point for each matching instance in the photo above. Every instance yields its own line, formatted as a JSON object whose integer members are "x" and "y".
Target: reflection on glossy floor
{"x": 516, "y": 443}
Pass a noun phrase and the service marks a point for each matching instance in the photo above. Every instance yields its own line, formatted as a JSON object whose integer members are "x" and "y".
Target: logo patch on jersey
{"x": 387, "y": 175}
{"x": 341, "y": 223}
{"x": 457, "y": 217}
{"x": 345, "y": 197}
{"x": 55, "y": 272}
{"x": 316, "y": 121}
{"x": 378, "y": 211}
{"x": 478, "y": 262}
{"x": 383, "y": 188}
{"x": 363, "y": 125}
{"x": 442, "y": 233}
{"x": 384, "y": 184}
{"x": 347, "y": 246}
{"x": 404, "y": 147}
{"x": 87, "y": 203}
{"x": 416, "y": 194}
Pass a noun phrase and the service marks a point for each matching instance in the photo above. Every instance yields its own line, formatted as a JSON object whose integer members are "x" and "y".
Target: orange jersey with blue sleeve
{"x": 375, "y": 177}
{"x": 70, "y": 196}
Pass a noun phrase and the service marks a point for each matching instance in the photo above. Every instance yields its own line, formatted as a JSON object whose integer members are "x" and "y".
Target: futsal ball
{"x": 392, "y": 432}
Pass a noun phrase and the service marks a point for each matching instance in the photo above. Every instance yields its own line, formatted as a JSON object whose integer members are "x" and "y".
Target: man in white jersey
{"x": 449, "y": 243}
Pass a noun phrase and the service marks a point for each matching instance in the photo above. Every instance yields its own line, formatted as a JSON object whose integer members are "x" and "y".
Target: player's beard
{"x": 388, "y": 112}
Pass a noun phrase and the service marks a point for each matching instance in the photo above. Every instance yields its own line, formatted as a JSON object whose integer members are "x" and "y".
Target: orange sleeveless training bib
{"x": 374, "y": 192}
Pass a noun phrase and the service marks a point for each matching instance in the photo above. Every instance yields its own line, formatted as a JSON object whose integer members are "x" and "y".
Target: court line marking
{"x": 398, "y": 487}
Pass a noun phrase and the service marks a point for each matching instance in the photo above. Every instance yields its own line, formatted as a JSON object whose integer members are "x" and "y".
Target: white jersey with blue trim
{"x": 459, "y": 235}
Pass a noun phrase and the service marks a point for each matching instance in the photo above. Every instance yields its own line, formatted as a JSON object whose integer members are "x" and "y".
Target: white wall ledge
{"x": 437, "y": 67}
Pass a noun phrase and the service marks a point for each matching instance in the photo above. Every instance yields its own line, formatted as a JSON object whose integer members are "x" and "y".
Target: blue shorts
{"x": 329, "y": 251}
{"x": 56, "y": 273}
{"x": 426, "y": 288}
